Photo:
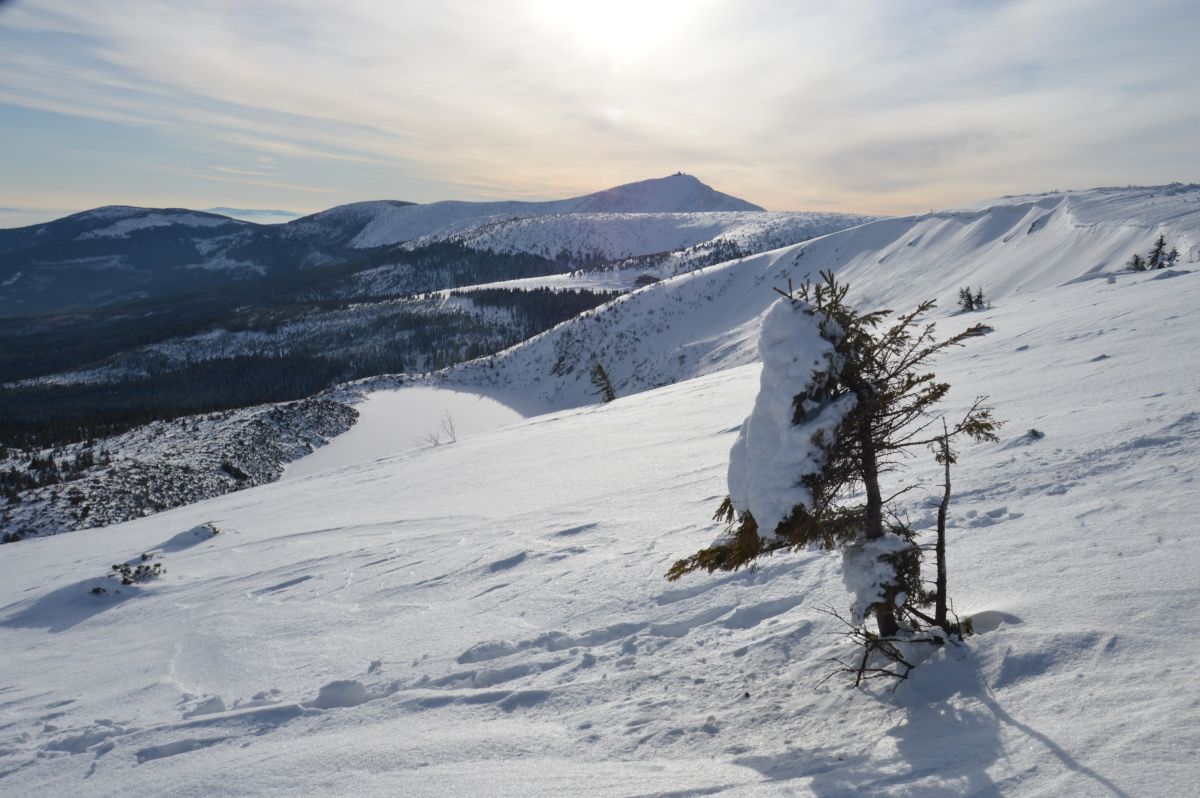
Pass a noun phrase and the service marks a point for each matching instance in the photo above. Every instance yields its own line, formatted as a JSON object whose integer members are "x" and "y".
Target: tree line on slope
{"x": 399, "y": 337}
{"x": 538, "y": 308}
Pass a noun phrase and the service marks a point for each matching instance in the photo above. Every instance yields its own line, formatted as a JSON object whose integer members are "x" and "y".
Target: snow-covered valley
{"x": 490, "y": 617}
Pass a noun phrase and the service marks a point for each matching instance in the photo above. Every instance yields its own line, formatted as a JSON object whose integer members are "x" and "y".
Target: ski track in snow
{"x": 489, "y": 617}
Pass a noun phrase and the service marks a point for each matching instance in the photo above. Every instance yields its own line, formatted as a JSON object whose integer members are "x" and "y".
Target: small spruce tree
{"x": 1156, "y": 260}
{"x": 979, "y": 304}
{"x": 602, "y": 384}
{"x": 1136, "y": 263}
{"x": 865, "y": 403}
{"x": 966, "y": 300}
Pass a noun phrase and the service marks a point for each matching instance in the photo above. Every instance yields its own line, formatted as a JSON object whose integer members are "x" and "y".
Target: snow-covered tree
{"x": 1156, "y": 259}
{"x": 842, "y": 400}
{"x": 602, "y": 383}
{"x": 966, "y": 300}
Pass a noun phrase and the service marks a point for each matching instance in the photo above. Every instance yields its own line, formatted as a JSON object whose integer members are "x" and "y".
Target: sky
{"x": 873, "y": 107}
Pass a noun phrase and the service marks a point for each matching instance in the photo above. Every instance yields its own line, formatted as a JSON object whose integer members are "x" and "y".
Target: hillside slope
{"x": 600, "y": 237}
{"x": 707, "y": 321}
{"x": 489, "y": 617}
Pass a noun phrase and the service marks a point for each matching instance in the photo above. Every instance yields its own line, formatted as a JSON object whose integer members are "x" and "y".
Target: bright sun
{"x": 620, "y": 29}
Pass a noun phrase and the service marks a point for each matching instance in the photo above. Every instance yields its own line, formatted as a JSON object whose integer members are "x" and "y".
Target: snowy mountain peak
{"x": 677, "y": 193}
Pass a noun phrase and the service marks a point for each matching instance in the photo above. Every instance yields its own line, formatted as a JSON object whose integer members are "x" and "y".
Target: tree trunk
{"x": 939, "y": 607}
{"x": 874, "y": 521}
{"x": 885, "y": 615}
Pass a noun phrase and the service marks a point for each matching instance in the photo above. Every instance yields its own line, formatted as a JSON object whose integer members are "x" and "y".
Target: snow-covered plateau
{"x": 489, "y": 616}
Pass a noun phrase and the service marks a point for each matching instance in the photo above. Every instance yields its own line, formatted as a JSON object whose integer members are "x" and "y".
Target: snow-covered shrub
{"x": 840, "y": 400}
{"x": 138, "y": 571}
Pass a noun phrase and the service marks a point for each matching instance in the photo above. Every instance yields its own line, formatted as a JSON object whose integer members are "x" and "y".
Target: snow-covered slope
{"x": 708, "y": 320}
{"x": 574, "y": 248}
{"x": 611, "y": 236}
{"x": 126, "y": 220}
{"x": 490, "y": 618}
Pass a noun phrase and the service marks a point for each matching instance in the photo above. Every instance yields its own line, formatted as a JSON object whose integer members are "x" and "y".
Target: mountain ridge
{"x": 118, "y": 253}
{"x": 705, "y": 321}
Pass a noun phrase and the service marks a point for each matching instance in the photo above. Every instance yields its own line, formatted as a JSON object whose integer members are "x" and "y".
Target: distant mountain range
{"x": 120, "y": 253}
{"x": 115, "y": 320}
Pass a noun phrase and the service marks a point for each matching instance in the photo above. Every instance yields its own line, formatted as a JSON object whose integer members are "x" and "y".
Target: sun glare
{"x": 620, "y": 29}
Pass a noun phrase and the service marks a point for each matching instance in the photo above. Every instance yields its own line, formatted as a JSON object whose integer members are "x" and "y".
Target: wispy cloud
{"x": 858, "y": 105}
{"x": 248, "y": 179}
{"x": 234, "y": 171}
{"x": 23, "y": 217}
